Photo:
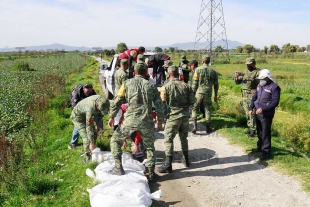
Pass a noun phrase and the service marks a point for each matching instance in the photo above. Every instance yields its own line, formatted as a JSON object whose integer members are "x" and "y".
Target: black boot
{"x": 247, "y": 131}
{"x": 87, "y": 157}
{"x": 118, "y": 168}
{"x": 252, "y": 133}
{"x": 166, "y": 167}
{"x": 208, "y": 128}
{"x": 195, "y": 126}
{"x": 185, "y": 160}
{"x": 153, "y": 177}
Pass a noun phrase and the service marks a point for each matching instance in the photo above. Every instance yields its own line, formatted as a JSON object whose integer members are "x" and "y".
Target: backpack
{"x": 75, "y": 91}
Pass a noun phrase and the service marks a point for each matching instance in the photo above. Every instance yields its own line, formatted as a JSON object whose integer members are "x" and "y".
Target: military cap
{"x": 205, "y": 57}
{"x": 140, "y": 58}
{"x": 250, "y": 60}
{"x": 168, "y": 63}
{"x": 103, "y": 104}
{"x": 193, "y": 62}
{"x": 124, "y": 62}
{"x": 140, "y": 66}
{"x": 172, "y": 68}
{"x": 88, "y": 85}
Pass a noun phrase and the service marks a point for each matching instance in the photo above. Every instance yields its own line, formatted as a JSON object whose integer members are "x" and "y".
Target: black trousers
{"x": 263, "y": 127}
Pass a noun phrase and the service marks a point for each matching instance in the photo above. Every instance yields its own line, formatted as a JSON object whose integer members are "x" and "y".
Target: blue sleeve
{"x": 275, "y": 99}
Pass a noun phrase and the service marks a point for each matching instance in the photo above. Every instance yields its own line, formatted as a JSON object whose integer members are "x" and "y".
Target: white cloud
{"x": 150, "y": 23}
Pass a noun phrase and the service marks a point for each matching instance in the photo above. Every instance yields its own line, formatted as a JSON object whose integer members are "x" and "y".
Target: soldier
{"x": 203, "y": 80}
{"x": 139, "y": 94}
{"x": 132, "y": 56}
{"x": 179, "y": 97}
{"x": 121, "y": 75}
{"x": 140, "y": 59}
{"x": 186, "y": 70}
{"x": 78, "y": 93}
{"x": 167, "y": 63}
{"x": 83, "y": 119}
{"x": 249, "y": 83}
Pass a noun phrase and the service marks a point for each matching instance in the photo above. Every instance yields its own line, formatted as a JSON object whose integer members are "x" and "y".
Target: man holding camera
{"x": 249, "y": 82}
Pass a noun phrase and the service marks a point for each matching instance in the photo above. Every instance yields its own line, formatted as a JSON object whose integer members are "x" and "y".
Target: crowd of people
{"x": 175, "y": 101}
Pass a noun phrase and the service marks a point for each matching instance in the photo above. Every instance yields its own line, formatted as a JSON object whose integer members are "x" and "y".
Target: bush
{"x": 297, "y": 131}
{"x": 22, "y": 66}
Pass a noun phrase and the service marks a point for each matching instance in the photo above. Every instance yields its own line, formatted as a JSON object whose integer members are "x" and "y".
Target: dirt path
{"x": 223, "y": 175}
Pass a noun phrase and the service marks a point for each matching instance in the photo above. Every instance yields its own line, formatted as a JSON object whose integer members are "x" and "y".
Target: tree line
{"x": 246, "y": 49}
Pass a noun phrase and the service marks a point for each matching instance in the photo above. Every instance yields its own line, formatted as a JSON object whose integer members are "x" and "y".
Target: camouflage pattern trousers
{"x": 246, "y": 101}
{"x": 81, "y": 127}
{"x": 148, "y": 139}
{"x": 172, "y": 128}
{"x": 206, "y": 100}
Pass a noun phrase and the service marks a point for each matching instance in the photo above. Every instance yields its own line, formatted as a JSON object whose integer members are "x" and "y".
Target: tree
{"x": 106, "y": 52}
{"x": 219, "y": 49}
{"x": 239, "y": 49}
{"x": 166, "y": 50}
{"x": 266, "y": 49}
{"x": 274, "y": 48}
{"x": 158, "y": 49}
{"x": 112, "y": 51}
{"x": 285, "y": 47}
{"x": 171, "y": 49}
{"x": 292, "y": 48}
{"x": 121, "y": 47}
{"x": 248, "y": 49}
{"x": 301, "y": 49}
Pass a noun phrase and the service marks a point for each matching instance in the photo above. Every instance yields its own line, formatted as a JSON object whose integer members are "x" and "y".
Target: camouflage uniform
{"x": 167, "y": 63}
{"x": 139, "y": 94}
{"x": 120, "y": 76}
{"x": 83, "y": 118}
{"x": 203, "y": 80}
{"x": 249, "y": 83}
{"x": 179, "y": 97}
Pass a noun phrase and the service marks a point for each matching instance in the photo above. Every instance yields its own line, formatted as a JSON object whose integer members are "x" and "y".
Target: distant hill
{"x": 55, "y": 46}
{"x": 182, "y": 46}
{"x": 202, "y": 45}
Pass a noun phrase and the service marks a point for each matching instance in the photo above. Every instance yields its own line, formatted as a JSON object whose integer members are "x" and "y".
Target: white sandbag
{"x": 130, "y": 190}
{"x": 133, "y": 168}
{"x": 130, "y": 193}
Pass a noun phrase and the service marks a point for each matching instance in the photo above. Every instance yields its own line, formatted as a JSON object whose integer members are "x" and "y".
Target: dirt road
{"x": 223, "y": 175}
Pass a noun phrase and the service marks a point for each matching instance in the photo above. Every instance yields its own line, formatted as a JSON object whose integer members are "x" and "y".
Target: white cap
{"x": 265, "y": 73}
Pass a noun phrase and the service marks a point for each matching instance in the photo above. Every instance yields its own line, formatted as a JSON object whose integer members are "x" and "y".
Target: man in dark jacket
{"x": 186, "y": 70}
{"x": 156, "y": 62}
{"x": 79, "y": 93}
{"x": 265, "y": 100}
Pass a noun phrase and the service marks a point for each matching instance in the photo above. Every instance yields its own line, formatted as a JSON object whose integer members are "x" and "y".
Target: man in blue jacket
{"x": 265, "y": 100}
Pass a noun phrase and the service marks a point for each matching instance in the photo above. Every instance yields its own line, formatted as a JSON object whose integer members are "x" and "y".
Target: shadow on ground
{"x": 201, "y": 158}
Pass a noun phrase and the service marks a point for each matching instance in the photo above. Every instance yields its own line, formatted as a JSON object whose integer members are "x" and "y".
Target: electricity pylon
{"x": 211, "y": 28}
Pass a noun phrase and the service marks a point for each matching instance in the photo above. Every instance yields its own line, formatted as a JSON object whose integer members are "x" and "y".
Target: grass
{"x": 57, "y": 176}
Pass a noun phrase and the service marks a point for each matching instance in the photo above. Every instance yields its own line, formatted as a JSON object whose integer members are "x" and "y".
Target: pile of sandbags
{"x": 130, "y": 189}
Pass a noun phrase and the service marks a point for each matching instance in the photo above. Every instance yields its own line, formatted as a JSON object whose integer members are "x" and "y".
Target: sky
{"x": 105, "y": 23}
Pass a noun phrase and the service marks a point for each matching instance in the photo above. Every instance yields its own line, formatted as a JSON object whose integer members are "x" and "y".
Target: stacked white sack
{"x": 130, "y": 189}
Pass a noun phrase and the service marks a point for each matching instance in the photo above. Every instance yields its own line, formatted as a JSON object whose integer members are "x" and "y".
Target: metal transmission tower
{"x": 211, "y": 27}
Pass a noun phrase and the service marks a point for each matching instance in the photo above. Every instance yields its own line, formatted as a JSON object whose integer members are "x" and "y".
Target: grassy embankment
{"x": 55, "y": 176}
